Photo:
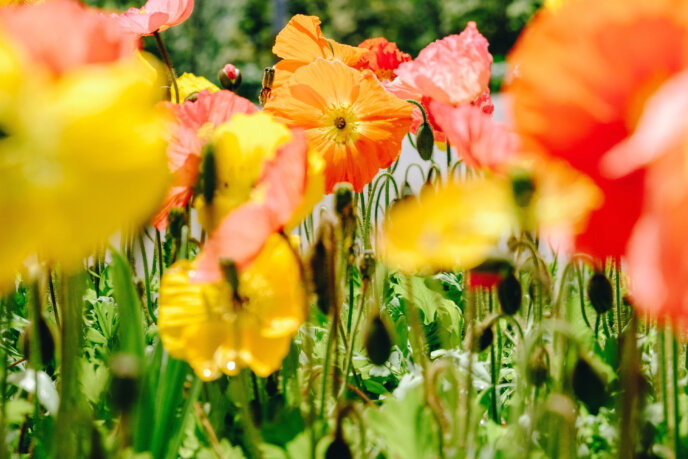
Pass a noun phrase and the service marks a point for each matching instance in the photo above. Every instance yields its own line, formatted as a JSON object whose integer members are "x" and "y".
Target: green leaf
{"x": 131, "y": 333}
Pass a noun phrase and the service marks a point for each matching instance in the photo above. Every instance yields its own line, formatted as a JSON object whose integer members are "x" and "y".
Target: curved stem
{"x": 419, "y": 105}
{"x": 166, "y": 58}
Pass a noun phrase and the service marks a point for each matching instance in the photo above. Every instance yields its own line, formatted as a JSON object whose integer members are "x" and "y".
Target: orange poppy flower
{"x": 77, "y": 35}
{"x": 155, "y": 16}
{"x": 301, "y": 42}
{"x": 194, "y": 122}
{"x": 582, "y": 75}
{"x": 383, "y": 57}
{"x": 348, "y": 117}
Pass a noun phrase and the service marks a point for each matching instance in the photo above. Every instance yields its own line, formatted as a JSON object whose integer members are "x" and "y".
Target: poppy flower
{"x": 301, "y": 42}
{"x": 383, "y": 57}
{"x": 155, "y": 16}
{"x": 189, "y": 84}
{"x": 77, "y": 35}
{"x": 453, "y": 71}
{"x": 575, "y": 98}
{"x": 218, "y": 330}
{"x": 657, "y": 251}
{"x": 262, "y": 179}
{"x": 348, "y": 117}
{"x": 455, "y": 227}
{"x": 62, "y": 198}
{"x": 194, "y": 122}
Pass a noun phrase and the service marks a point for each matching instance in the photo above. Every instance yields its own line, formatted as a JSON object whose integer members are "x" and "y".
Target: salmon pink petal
{"x": 454, "y": 70}
{"x": 479, "y": 140}
{"x": 382, "y": 58}
{"x": 76, "y": 35}
{"x": 155, "y": 16}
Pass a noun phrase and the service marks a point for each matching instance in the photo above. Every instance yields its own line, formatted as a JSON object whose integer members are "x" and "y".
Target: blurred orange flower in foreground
{"x": 194, "y": 123}
{"x": 348, "y": 117}
{"x": 582, "y": 76}
{"x": 383, "y": 57}
{"x": 155, "y": 16}
{"x": 301, "y": 42}
{"x": 77, "y": 35}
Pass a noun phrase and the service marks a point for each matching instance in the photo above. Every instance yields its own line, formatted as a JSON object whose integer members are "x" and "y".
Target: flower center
{"x": 340, "y": 122}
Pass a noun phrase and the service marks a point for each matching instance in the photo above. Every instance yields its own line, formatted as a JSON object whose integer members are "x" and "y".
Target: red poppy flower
{"x": 155, "y": 16}
{"x": 383, "y": 57}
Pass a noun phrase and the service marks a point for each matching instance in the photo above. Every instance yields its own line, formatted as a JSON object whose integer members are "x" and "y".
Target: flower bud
{"x": 344, "y": 207}
{"x": 268, "y": 80}
{"x": 483, "y": 337}
{"x": 193, "y": 97}
{"x": 176, "y": 219}
{"x": 589, "y": 386}
{"x": 230, "y": 77}
{"x": 208, "y": 175}
{"x": 367, "y": 266}
{"x": 321, "y": 265}
{"x": 46, "y": 341}
{"x": 523, "y": 188}
{"x": 600, "y": 292}
{"x": 124, "y": 387}
{"x": 537, "y": 371}
{"x": 378, "y": 343}
{"x": 425, "y": 141}
{"x": 338, "y": 449}
{"x": 510, "y": 294}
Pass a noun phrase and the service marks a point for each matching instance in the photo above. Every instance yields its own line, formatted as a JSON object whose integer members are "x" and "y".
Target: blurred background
{"x": 242, "y": 32}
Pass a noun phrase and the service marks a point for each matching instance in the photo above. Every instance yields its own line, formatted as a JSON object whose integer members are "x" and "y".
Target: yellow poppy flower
{"x": 315, "y": 189}
{"x": 454, "y": 227}
{"x": 189, "y": 83}
{"x": 219, "y": 331}
{"x": 81, "y": 156}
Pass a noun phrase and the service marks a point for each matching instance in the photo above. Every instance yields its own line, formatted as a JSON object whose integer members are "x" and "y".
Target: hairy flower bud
{"x": 589, "y": 386}
{"x": 537, "y": 371}
{"x": 338, "y": 449}
{"x": 267, "y": 82}
{"x": 600, "y": 292}
{"x": 230, "y": 77}
{"x": 425, "y": 141}
{"x": 321, "y": 265}
{"x": 523, "y": 188}
{"x": 482, "y": 338}
{"x": 367, "y": 266}
{"x": 344, "y": 207}
{"x": 378, "y": 343}
{"x": 510, "y": 294}
{"x": 176, "y": 219}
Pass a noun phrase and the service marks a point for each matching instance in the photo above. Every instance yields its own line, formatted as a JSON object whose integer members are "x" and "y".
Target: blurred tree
{"x": 242, "y": 31}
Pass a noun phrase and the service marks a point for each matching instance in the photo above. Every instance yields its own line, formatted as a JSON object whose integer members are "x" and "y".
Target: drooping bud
{"x": 378, "y": 343}
{"x": 523, "y": 188}
{"x": 589, "y": 386}
{"x": 45, "y": 338}
{"x": 600, "y": 292}
{"x": 367, "y": 266}
{"x": 338, "y": 449}
{"x": 537, "y": 371}
{"x": 321, "y": 266}
{"x": 425, "y": 141}
{"x": 344, "y": 207}
{"x": 482, "y": 338}
{"x": 230, "y": 77}
{"x": 267, "y": 82}
{"x": 489, "y": 273}
{"x": 176, "y": 219}
{"x": 208, "y": 175}
{"x": 510, "y": 294}
{"x": 124, "y": 387}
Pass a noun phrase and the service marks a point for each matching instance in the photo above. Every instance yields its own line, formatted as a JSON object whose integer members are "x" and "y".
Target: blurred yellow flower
{"x": 454, "y": 227}
{"x": 315, "y": 189}
{"x": 240, "y": 148}
{"x": 189, "y": 83}
{"x": 81, "y": 156}
{"x": 218, "y": 330}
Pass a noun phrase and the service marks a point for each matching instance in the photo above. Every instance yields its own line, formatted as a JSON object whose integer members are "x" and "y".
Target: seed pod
{"x": 230, "y": 77}
{"x": 537, "y": 371}
{"x": 600, "y": 292}
{"x": 46, "y": 340}
{"x": 208, "y": 176}
{"x": 510, "y": 294}
{"x": 425, "y": 141}
{"x": 124, "y": 387}
{"x": 338, "y": 449}
{"x": 176, "y": 219}
{"x": 378, "y": 343}
{"x": 483, "y": 338}
{"x": 523, "y": 188}
{"x": 589, "y": 386}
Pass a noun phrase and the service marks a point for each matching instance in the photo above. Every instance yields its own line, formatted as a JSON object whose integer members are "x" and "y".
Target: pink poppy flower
{"x": 478, "y": 139}
{"x": 284, "y": 181}
{"x": 76, "y": 35}
{"x": 187, "y": 141}
{"x": 155, "y": 16}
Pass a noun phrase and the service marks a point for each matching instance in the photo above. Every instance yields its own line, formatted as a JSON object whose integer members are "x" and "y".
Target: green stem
{"x": 146, "y": 274}
{"x": 493, "y": 370}
{"x": 617, "y": 264}
{"x": 581, "y": 295}
{"x": 158, "y": 244}
{"x": 448, "y": 159}
{"x": 663, "y": 371}
{"x": 677, "y": 415}
{"x": 166, "y": 58}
